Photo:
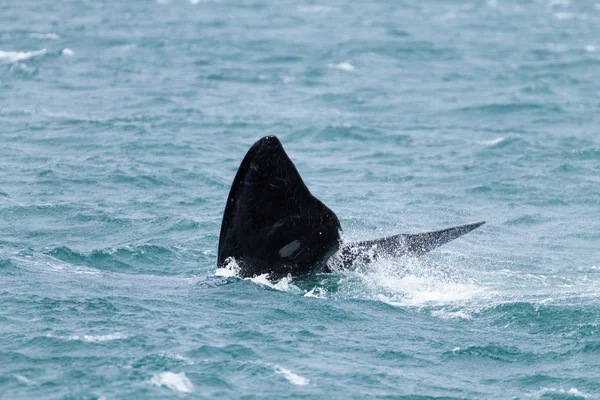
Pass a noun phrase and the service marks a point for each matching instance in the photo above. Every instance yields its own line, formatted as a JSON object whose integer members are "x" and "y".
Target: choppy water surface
{"x": 122, "y": 125}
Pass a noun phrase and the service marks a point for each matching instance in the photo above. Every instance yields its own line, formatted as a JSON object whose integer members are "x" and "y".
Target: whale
{"x": 272, "y": 224}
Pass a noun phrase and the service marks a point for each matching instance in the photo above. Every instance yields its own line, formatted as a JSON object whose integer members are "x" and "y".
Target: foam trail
{"x": 407, "y": 282}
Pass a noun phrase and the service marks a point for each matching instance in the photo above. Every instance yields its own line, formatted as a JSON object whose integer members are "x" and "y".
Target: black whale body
{"x": 273, "y": 224}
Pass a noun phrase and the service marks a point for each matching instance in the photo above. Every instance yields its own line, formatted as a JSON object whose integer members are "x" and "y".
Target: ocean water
{"x": 122, "y": 125}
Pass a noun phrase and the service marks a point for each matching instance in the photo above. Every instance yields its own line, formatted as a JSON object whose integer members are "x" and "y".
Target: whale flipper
{"x": 403, "y": 244}
{"x": 272, "y": 223}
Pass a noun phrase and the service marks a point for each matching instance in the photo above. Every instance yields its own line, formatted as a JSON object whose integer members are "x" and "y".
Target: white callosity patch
{"x": 176, "y": 382}
{"x": 291, "y": 377}
{"x": 289, "y": 249}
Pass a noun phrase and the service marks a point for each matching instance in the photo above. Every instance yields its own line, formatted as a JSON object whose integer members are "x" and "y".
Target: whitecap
{"x": 16, "y": 56}
{"x": 102, "y": 338}
{"x": 92, "y": 338}
{"x": 67, "y": 52}
{"x": 291, "y": 377}
{"x": 176, "y": 382}
{"x": 590, "y": 48}
{"x": 343, "y": 66}
{"x": 494, "y": 142}
{"x": 571, "y": 392}
{"x": 50, "y": 36}
{"x": 23, "y": 379}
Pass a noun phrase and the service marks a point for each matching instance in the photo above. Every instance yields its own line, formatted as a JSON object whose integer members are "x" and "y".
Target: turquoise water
{"x": 122, "y": 125}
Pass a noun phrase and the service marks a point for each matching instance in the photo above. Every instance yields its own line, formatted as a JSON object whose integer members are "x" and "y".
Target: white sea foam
{"x": 343, "y": 66}
{"x": 283, "y": 285}
{"x": 176, "y": 382}
{"x": 16, "y": 56}
{"x": 573, "y": 392}
{"x": 23, "y": 379}
{"x": 590, "y": 48}
{"x": 76, "y": 269}
{"x": 317, "y": 292}
{"x": 291, "y": 377}
{"x": 231, "y": 268}
{"x": 50, "y": 36}
{"x": 413, "y": 282}
{"x": 412, "y": 290}
{"x": 443, "y": 314}
{"x": 92, "y": 338}
{"x": 102, "y": 338}
{"x": 494, "y": 142}
{"x": 67, "y": 52}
